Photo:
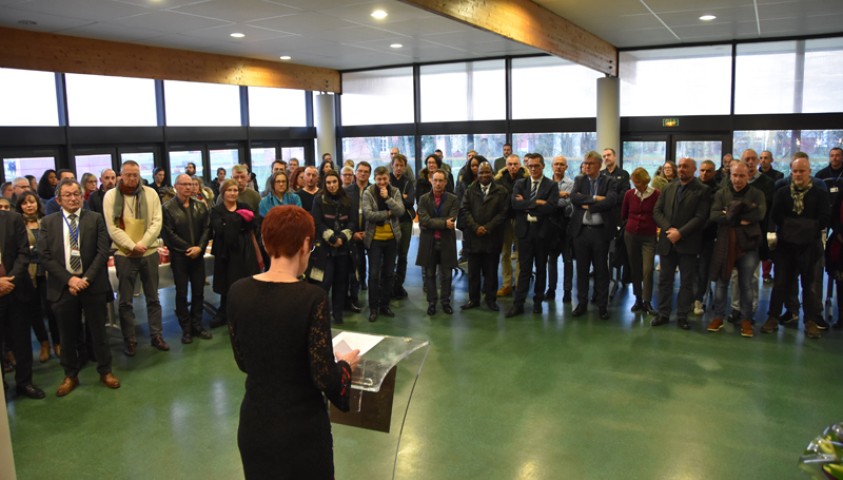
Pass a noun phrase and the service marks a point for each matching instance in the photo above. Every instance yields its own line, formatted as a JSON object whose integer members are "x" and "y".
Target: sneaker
{"x": 715, "y": 325}
{"x": 698, "y": 308}
{"x": 746, "y": 329}
{"x": 821, "y": 324}
{"x": 771, "y": 325}
{"x": 812, "y": 330}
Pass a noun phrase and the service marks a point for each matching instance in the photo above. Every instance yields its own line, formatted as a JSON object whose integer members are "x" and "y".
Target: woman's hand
{"x": 352, "y": 358}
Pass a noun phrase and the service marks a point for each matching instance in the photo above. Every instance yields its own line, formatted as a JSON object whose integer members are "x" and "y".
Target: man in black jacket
{"x": 680, "y": 212}
{"x": 355, "y": 191}
{"x": 108, "y": 180}
{"x": 399, "y": 179}
{"x": 534, "y": 200}
{"x": 482, "y": 218}
{"x": 186, "y": 229}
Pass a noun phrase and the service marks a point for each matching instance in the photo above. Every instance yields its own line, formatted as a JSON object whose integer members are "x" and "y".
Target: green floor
{"x": 535, "y": 397}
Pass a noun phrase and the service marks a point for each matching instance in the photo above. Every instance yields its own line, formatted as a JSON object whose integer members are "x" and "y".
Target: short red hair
{"x": 284, "y": 229}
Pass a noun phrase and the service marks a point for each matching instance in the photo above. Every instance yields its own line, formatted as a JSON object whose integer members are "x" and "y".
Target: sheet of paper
{"x": 348, "y": 341}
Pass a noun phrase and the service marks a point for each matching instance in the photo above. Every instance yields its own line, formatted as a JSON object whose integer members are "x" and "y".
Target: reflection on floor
{"x": 534, "y": 397}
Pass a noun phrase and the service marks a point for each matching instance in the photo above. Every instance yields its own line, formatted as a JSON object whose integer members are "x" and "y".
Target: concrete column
{"x": 609, "y": 114}
{"x": 326, "y": 125}
{"x": 7, "y": 460}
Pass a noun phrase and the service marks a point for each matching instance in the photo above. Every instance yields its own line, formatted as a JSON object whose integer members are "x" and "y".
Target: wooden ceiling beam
{"x": 60, "y": 53}
{"x": 531, "y": 24}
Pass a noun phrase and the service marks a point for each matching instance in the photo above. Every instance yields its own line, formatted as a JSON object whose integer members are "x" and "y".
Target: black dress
{"x": 285, "y": 349}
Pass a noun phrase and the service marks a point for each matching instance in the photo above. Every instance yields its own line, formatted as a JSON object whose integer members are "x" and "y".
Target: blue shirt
{"x": 271, "y": 200}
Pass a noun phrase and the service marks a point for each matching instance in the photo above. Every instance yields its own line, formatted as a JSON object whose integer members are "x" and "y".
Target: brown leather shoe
{"x": 57, "y": 350}
{"x": 159, "y": 343}
{"x": 67, "y": 386}
{"x": 109, "y": 380}
{"x": 44, "y": 355}
{"x": 504, "y": 291}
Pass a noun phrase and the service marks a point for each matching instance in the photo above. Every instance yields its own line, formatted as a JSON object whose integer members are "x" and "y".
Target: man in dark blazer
{"x": 438, "y": 212}
{"x": 534, "y": 200}
{"x": 592, "y": 227}
{"x": 681, "y": 212}
{"x": 74, "y": 248}
{"x": 484, "y": 211}
{"x": 15, "y": 290}
{"x": 357, "y": 279}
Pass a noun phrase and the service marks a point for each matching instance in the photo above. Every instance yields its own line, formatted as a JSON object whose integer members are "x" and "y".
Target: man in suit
{"x": 74, "y": 249}
{"x": 15, "y": 290}
{"x": 592, "y": 227}
{"x": 681, "y": 212}
{"x": 483, "y": 214}
{"x": 438, "y": 212}
{"x": 355, "y": 191}
{"x": 534, "y": 200}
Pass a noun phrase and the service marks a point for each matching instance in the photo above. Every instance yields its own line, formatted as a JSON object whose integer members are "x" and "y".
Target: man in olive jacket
{"x": 483, "y": 214}
{"x": 438, "y": 212}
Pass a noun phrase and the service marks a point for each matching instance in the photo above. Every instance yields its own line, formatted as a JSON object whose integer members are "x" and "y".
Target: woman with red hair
{"x": 284, "y": 347}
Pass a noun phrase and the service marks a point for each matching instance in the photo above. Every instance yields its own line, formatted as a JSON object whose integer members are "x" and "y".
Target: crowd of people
{"x": 723, "y": 229}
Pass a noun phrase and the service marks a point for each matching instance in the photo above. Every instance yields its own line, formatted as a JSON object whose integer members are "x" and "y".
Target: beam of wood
{"x": 60, "y": 53}
{"x": 531, "y": 24}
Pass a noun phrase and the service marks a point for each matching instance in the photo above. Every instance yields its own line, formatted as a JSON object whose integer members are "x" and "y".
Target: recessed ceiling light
{"x": 238, "y": 35}
{"x": 707, "y": 18}
{"x": 285, "y": 57}
{"x": 379, "y": 14}
{"x": 395, "y": 45}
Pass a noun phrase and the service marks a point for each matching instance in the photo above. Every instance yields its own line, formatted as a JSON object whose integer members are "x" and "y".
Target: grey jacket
{"x": 374, "y": 216}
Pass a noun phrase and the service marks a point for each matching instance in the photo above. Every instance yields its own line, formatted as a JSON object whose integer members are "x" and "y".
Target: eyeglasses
{"x": 71, "y": 195}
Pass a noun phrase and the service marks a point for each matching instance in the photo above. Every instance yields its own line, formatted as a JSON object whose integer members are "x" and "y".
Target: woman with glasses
{"x": 280, "y": 194}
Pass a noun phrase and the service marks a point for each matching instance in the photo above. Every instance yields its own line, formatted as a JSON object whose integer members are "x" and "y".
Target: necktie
{"x": 534, "y": 191}
{"x": 593, "y": 187}
{"x": 75, "y": 260}
{"x": 485, "y": 191}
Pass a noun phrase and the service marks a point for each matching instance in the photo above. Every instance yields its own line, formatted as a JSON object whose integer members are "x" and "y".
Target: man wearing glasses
{"x": 186, "y": 231}
{"x": 534, "y": 200}
{"x": 592, "y": 227}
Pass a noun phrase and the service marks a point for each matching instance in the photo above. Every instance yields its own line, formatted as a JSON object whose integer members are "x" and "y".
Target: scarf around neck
{"x": 119, "y": 204}
{"x": 798, "y": 197}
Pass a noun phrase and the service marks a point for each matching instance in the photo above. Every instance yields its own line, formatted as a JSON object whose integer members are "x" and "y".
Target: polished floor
{"x": 535, "y": 397}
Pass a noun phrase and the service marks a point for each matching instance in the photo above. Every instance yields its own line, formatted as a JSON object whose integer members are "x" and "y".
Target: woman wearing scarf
{"x": 332, "y": 214}
{"x": 235, "y": 248}
{"x": 280, "y": 194}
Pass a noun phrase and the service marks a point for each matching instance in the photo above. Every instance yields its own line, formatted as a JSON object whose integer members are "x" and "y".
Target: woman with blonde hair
{"x": 640, "y": 237}
{"x": 667, "y": 175}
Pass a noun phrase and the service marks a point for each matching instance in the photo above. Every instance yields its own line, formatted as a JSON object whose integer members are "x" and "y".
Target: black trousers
{"x": 434, "y": 269}
{"x": 68, "y": 309}
{"x": 17, "y": 325}
{"x": 793, "y": 263}
{"x": 560, "y": 248}
{"x": 531, "y": 252}
{"x": 337, "y": 270}
{"x": 485, "y": 265}
{"x": 591, "y": 249}
{"x": 357, "y": 270}
{"x": 382, "y": 255}
{"x": 36, "y": 310}
{"x": 688, "y": 271}
{"x": 188, "y": 271}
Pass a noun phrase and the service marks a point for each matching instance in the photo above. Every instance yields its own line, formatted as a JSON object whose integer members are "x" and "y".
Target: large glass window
{"x": 649, "y": 155}
{"x": 455, "y": 147}
{"x": 277, "y": 107}
{"x": 823, "y": 75}
{"x": 202, "y": 104}
{"x": 92, "y": 163}
{"x": 765, "y": 78}
{"x": 700, "y": 150}
{"x": 28, "y": 98}
{"x": 377, "y": 97}
{"x": 146, "y": 160}
{"x": 784, "y": 143}
{"x": 572, "y": 145}
{"x": 262, "y": 158}
{"x": 94, "y": 100}
{"x": 225, "y": 158}
{"x": 180, "y": 158}
{"x": 23, "y": 166}
{"x": 455, "y": 92}
{"x": 375, "y": 150}
{"x": 676, "y": 81}
{"x": 549, "y": 87}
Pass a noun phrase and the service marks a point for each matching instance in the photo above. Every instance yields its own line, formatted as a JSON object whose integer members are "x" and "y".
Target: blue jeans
{"x": 746, "y": 267}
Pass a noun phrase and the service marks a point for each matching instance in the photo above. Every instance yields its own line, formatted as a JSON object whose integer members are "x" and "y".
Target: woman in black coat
{"x": 234, "y": 248}
{"x": 332, "y": 215}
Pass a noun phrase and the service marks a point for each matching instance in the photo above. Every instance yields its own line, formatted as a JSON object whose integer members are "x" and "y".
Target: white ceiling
{"x": 341, "y": 34}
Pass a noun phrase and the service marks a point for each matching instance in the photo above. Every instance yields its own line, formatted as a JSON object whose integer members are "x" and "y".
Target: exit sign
{"x": 670, "y": 122}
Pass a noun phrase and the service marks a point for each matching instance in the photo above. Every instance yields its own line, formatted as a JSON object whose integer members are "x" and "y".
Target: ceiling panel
{"x": 91, "y": 10}
{"x": 246, "y": 11}
{"x": 171, "y": 22}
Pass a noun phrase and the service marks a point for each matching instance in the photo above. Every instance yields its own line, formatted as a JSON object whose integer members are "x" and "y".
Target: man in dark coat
{"x": 681, "y": 212}
{"x": 482, "y": 215}
{"x": 15, "y": 290}
{"x": 357, "y": 279}
{"x": 592, "y": 227}
{"x": 534, "y": 200}
{"x": 438, "y": 212}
